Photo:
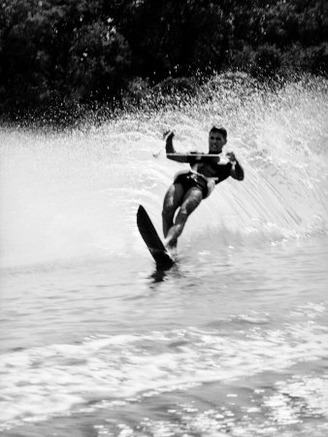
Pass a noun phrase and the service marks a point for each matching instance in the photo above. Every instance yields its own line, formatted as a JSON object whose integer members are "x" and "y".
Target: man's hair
{"x": 221, "y": 130}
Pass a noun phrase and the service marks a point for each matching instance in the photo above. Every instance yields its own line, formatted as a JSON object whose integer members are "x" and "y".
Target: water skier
{"x": 190, "y": 187}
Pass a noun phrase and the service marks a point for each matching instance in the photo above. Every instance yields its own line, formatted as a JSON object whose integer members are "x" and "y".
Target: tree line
{"x": 60, "y": 55}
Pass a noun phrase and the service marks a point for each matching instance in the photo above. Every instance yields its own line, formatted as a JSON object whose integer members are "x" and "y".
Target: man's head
{"x": 217, "y": 139}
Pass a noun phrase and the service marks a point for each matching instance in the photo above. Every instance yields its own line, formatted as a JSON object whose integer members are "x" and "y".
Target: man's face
{"x": 216, "y": 142}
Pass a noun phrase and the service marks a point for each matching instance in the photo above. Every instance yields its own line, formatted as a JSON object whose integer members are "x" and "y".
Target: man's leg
{"x": 172, "y": 201}
{"x": 190, "y": 202}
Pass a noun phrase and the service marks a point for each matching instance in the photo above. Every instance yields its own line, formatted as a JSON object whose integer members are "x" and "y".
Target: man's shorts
{"x": 190, "y": 180}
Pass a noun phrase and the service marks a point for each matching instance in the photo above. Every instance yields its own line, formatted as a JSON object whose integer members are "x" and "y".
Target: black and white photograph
{"x": 163, "y": 218}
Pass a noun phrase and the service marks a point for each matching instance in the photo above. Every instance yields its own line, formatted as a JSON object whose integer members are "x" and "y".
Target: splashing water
{"x": 75, "y": 194}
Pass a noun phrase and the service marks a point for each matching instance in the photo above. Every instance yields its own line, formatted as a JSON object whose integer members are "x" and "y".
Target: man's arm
{"x": 237, "y": 171}
{"x": 170, "y": 149}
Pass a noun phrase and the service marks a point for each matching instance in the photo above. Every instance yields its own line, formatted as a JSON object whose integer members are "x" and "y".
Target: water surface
{"x": 231, "y": 341}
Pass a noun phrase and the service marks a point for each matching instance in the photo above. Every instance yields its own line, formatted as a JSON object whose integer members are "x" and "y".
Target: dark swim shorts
{"x": 189, "y": 180}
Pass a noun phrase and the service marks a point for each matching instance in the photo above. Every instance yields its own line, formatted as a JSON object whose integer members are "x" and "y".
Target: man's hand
{"x": 168, "y": 135}
{"x": 231, "y": 156}
{"x": 237, "y": 171}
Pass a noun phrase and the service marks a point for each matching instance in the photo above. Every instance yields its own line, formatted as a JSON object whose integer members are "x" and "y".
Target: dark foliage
{"x": 59, "y": 56}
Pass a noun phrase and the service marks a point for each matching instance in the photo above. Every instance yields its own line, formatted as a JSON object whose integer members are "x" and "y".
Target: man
{"x": 190, "y": 187}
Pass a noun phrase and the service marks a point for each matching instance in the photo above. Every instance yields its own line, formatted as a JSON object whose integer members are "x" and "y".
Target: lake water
{"x": 233, "y": 340}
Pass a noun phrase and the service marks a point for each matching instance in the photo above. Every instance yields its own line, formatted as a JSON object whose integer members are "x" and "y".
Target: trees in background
{"x": 56, "y": 53}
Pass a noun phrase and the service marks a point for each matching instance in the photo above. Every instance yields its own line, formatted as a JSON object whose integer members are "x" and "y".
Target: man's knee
{"x": 187, "y": 208}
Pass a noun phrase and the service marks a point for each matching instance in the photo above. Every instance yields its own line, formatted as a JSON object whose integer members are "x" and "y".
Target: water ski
{"x": 156, "y": 247}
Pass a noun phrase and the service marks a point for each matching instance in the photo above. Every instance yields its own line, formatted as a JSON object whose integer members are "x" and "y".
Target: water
{"x": 232, "y": 341}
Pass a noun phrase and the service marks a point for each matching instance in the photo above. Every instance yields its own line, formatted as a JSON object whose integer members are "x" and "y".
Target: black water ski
{"x": 156, "y": 247}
